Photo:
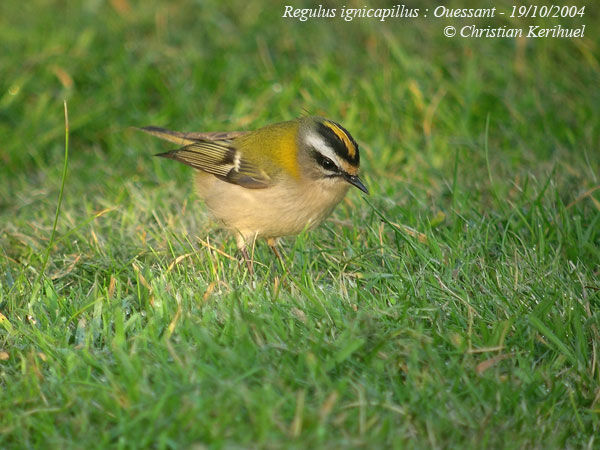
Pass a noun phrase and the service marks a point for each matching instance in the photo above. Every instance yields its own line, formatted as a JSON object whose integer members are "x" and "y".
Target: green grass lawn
{"x": 456, "y": 306}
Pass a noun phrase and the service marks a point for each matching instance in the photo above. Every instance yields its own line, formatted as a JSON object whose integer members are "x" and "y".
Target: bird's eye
{"x": 325, "y": 162}
{"x": 328, "y": 164}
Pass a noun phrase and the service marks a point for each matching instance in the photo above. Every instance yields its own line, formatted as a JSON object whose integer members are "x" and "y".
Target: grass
{"x": 456, "y": 306}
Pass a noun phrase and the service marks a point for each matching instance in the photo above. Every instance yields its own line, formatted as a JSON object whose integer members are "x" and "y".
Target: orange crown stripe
{"x": 343, "y": 137}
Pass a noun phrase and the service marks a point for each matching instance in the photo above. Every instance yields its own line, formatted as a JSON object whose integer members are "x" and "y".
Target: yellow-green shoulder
{"x": 273, "y": 147}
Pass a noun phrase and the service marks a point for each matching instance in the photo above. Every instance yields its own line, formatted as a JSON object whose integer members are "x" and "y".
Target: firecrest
{"x": 272, "y": 182}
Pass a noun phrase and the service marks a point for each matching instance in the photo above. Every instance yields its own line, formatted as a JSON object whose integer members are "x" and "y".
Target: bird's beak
{"x": 355, "y": 181}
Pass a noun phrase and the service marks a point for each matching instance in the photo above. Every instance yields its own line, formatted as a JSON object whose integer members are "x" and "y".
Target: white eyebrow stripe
{"x": 317, "y": 142}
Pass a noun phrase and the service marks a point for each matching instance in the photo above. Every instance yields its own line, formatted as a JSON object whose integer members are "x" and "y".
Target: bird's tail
{"x": 182, "y": 139}
{"x": 171, "y": 136}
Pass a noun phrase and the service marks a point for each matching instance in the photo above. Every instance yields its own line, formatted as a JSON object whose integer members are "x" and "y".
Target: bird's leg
{"x": 272, "y": 242}
{"x": 246, "y": 256}
{"x": 242, "y": 240}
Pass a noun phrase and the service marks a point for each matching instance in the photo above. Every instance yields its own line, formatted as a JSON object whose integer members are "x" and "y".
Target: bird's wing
{"x": 222, "y": 160}
{"x": 213, "y": 153}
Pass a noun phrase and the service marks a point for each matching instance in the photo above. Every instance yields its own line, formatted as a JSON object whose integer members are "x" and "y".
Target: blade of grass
{"x": 37, "y": 285}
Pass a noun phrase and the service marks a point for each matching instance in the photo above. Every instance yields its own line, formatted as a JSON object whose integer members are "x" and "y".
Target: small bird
{"x": 272, "y": 182}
